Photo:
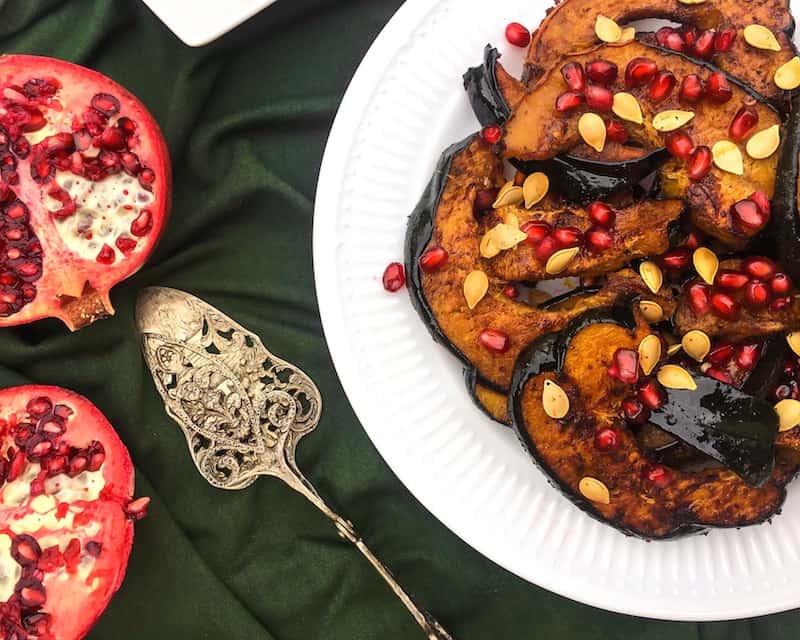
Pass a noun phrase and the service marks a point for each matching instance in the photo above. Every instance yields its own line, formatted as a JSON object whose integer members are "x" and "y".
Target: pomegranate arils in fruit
{"x": 747, "y": 355}
{"x": 568, "y": 100}
{"x": 757, "y": 294}
{"x": 106, "y": 104}
{"x": 606, "y": 439}
{"x": 394, "y": 277}
{"x": 743, "y": 123}
{"x": 679, "y": 144}
{"x": 94, "y": 548}
{"x": 625, "y": 366}
{"x": 615, "y": 131}
{"x": 25, "y": 550}
{"x": 493, "y": 340}
{"x": 31, "y": 593}
{"x": 747, "y": 215}
{"x": 143, "y": 223}
{"x": 658, "y": 475}
{"x": 518, "y": 35}
{"x": 599, "y": 98}
{"x": 704, "y": 46}
{"x": 724, "y": 305}
{"x": 731, "y": 279}
{"x": 759, "y": 267}
{"x": 699, "y": 163}
{"x": 107, "y": 255}
{"x": 692, "y": 88}
{"x": 639, "y": 72}
{"x": 724, "y": 39}
{"x": 698, "y": 295}
{"x": 491, "y": 134}
{"x": 651, "y": 394}
{"x": 601, "y": 71}
{"x": 573, "y": 75}
{"x": 718, "y": 89}
{"x": 661, "y": 86}
{"x": 601, "y": 214}
{"x": 635, "y": 411}
{"x": 781, "y": 284}
{"x": 599, "y": 239}
{"x": 536, "y": 231}
{"x": 430, "y": 261}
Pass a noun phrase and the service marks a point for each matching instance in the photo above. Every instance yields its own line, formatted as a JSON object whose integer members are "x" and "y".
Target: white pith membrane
{"x": 105, "y": 212}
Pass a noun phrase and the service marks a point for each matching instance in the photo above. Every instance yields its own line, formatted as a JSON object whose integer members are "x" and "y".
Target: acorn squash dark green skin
{"x": 487, "y": 100}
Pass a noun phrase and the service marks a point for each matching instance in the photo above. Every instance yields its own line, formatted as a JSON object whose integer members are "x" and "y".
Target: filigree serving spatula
{"x": 242, "y": 409}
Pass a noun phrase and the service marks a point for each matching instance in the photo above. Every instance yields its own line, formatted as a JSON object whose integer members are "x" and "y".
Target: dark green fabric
{"x": 246, "y": 120}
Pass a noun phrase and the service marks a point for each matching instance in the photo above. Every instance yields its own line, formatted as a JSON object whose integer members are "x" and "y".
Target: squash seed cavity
{"x": 476, "y": 284}
{"x": 554, "y": 400}
{"x": 594, "y": 490}
{"x": 696, "y": 344}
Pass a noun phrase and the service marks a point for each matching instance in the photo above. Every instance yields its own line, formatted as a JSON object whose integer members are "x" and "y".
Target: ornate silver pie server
{"x": 242, "y": 409}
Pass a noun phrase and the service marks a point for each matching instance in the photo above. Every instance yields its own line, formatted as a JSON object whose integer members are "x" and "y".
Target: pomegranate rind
{"x": 72, "y": 288}
{"x": 72, "y": 613}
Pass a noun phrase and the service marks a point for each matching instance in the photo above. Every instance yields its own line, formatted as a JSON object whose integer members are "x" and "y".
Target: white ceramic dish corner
{"x": 405, "y": 104}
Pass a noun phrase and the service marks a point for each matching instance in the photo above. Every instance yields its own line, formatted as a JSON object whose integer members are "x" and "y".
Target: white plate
{"x": 198, "y": 22}
{"x": 404, "y": 106}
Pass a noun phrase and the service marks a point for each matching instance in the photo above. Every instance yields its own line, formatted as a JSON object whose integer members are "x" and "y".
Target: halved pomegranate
{"x": 84, "y": 190}
{"x": 66, "y": 513}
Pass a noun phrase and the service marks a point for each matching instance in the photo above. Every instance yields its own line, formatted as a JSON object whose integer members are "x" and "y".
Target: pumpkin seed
{"x": 706, "y": 264}
{"x": 628, "y": 34}
{"x": 607, "y": 30}
{"x": 651, "y": 311}
{"x": 674, "y": 348}
{"x": 487, "y": 247}
{"x": 793, "y": 339}
{"x": 697, "y": 344}
{"x": 535, "y": 188}
{"x": 691, "y": 1}
{"x": 554, "y": 400}
{"x": 592, "y": 130}
{"x": 760, "y": 37}
{"x": 649, "y": 353}
{"x": 652, "y": 275}
{"x": 594, "y": 490}
{"x": 560, "y": 260}
{"x": 672, "y": 376}
{"x": 671, "y": 119}
{"x": 764, "y": 143}
{"x": 510, "y": 219}
{"x": 510, "y": 194}
{"x": 788, "y": 414}
{"x": 728, "y": 157}
{"x": 626, "y": 106}
{"x": 476, "y": 284}
{"x": 787, "y": 76}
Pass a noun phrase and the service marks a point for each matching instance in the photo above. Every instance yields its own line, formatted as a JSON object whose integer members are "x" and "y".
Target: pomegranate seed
{"x": 724, "y": 39}
{"x": 651, "y": 394}
{"x": 747, "y": 355}
{"x": 677, "y": 259}
{"x": 662, "y": 86}
{"x": 492, "y": 133}
{"x": 658, "y": 475}
{"x": 762, "y": 202}
{"x": 674, "y": 41}
{"x": 547, "y": 247}
{"x": 493, "y": 340}
{"x": 757, "y": 294}
{"x": 746, "y": 215}
{"x": 599, "y": 240}
{"x": 704, "y": 46}
{"x": 394, "y": 277}
{"x": 601, "y": 214}
{"x": 780, "y": 303}
{"x": 511, "y": 291}
{"x": 568, "y": 100}
{"x": 112, "y": 138}
{"x": 126, "y": 245}
{"x": 760, "y": 268}
{"x": 518, "y": 35}
{"x": 536, "y": 231}
{"x": 607, "y": 439}
{"x": 143, "y": 223}
{"x": 699, "y": 299}
{"x": 724, "y": 305}
{"x": 781, "y": 284}
{"x": 39, "y": 407}
{"x": 147, "y": 177}
{"x": 699, "y": 163}
{"x": 106, "y": 255}
{"x": 567, "y": 237}
{"x": 615, "y": 131}
{"x": 679, "y": 144}
{"x": 484, "y": 199}
{"x": 26, "y": 550}
{"x": 663, "y": 34}
{"x": 31, "y": 593}
{"x": 625, "y": 367}
{"x": 573, "y": 75}
{"x": 731, "y": 279}
{"x": 743, "y": 123}
{"x": 718, "y": 89}
{"x": 433, "y": 259}
{"x": 601, "y": 71}
{"x": 719, "y": 375}
{"x": 599, "y": 98}
{"x": 639, "y": 72}
{"x": 106, "y": 104}
{"x": 635, "y": 411}
{"x": 720, "y": 354}
{"x": 691, "y": 88}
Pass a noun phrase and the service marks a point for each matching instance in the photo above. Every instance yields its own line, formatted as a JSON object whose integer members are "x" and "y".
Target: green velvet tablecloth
{"x": 246, "y": 120}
